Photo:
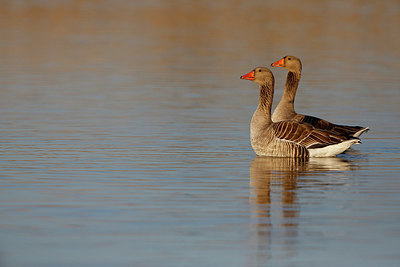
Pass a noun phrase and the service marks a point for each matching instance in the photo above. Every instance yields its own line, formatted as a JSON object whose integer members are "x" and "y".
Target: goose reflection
{"x": 274, "y": 203}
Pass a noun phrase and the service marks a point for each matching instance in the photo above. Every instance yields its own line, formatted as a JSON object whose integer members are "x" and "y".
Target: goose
{"x": 285, "y": 109}
{"x": 288, "y": 138}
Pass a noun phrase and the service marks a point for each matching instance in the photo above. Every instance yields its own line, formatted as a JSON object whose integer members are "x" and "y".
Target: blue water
{"x": 124, "y": 135}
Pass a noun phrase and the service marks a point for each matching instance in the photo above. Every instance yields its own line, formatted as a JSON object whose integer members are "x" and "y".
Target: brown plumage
{"x": 306, "y": 134}
{"x": 288, "y": 138}
{"x": 326, "y": 125}
{"x": 285, "y": 109}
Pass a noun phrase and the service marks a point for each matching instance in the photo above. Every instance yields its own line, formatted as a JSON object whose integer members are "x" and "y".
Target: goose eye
{"x": 259, "y": 70}
{"x": 289, "y": 58}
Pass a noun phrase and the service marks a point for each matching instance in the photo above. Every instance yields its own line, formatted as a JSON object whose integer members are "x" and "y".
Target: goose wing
{"x": 328, "y": 126}
{"x": 305, "y": 134}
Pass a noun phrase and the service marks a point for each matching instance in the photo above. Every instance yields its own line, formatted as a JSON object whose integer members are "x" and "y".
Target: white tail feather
{"x": 360, "y": 132}
{"x": 332, "y": 150}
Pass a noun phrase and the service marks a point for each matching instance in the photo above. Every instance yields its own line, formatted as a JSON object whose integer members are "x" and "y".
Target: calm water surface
{"x": 124, "y": 134}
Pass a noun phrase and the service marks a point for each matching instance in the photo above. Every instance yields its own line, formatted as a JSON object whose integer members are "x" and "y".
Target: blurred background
{"x": 125, "y": 133}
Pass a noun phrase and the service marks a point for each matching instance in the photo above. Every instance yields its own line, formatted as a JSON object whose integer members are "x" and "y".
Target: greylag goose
{"x": 288, "y": 138}
{"x": 285, "y": 109}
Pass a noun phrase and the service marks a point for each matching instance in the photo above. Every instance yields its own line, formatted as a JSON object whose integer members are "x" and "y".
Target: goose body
{"x": 285, "y": 109}
{"x": 288, "y": 138}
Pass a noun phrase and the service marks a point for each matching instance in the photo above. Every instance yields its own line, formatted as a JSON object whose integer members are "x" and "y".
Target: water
{"x": 124, "y": 134}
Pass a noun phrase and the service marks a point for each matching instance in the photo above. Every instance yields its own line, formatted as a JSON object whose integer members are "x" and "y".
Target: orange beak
{"x": 248, "y": 76}
{"x": 279, "y": 63}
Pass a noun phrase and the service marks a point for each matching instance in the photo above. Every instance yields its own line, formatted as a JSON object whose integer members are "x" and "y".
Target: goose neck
{"x": 292, "y": 82}
{"x": 266, "y": 98}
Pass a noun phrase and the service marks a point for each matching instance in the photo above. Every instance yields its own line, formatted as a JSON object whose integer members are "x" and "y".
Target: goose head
{"x": 259, "y": 75}
{"x": 291, "y": 63}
